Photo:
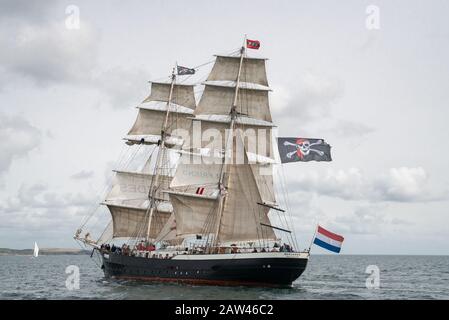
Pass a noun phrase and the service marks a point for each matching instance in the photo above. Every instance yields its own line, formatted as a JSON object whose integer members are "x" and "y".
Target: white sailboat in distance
{"x": 36, "y": 250}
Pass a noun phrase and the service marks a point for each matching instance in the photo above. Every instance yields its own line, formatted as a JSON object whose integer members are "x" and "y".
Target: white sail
{"x": 227, "y": 67}
{"x": 192, "y": 212}
{"x": 107, "y": 234}
{"x": 210, "y": 131}
{"x": 248, "y": 184}
{"x": 36, "y": 250}
{"x": 130, "y": 222}
{"x": 128, "y": 203}
{"x": 189, "y": 203}
{"x": 131, "y": 188}
{"x": 183, "y": 94}
{"x": 129, "y": 199}
{"x": 149, "y": 122}
{"x": 152, "y": 111}
{"x": 196, "y": 170}
{"x": 168, "y": 232}
{"x": 218, "y": 99}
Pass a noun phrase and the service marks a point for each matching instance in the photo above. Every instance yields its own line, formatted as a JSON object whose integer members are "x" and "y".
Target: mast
{"x": 230, "y": 139}
{"x": 155, "y": 179}
{"x": 220, "y": 199}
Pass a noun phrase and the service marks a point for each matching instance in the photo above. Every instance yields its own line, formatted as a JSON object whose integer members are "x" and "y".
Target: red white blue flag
{"x": 328, "y": 240}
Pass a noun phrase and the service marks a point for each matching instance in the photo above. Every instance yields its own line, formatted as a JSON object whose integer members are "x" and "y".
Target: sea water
{"x": 326, "y": 277}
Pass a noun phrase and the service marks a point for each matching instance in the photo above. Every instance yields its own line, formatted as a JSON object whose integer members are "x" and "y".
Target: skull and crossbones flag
{"x": 303, "y": 149}
{"x": 184, "y": 71}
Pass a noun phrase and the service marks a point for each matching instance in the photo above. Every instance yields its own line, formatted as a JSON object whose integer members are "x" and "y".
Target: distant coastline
{"x": 43, "y": 251}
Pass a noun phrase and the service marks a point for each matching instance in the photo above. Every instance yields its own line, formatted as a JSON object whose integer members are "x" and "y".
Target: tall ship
{"x": 199, "y": 206}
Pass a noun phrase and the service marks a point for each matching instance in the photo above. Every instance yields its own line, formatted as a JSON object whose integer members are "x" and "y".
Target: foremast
{"x": 161, "y": 153}
{"x": 138, "y": 206}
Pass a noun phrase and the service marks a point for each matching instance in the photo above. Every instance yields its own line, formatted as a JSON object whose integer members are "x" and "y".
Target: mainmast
{"x": 155, "y": 180}
{"x": 220, "y": 199}
{"x": 230, "y": 140}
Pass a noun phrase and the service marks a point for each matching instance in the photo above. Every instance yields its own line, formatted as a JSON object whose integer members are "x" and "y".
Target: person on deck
{"x": 141, "y": 246}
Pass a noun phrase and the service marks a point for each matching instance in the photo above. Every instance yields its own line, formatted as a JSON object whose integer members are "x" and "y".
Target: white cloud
{"x": 366, "y": 220}
{"x": 120, "y": 87}
{"x": 404, "y": 184}
{"x": 18, "y": 10}
{"x": 347, "y": 128}
{"x": 83, "y": 174}
{"x": 369, "y": 88}
{"x": 18, "y": 137}
{"x": 37, "y": 212}
{"x": 397, "y": 185}
{"x": 48, "y": 53}
{"x": 310, "y": 99}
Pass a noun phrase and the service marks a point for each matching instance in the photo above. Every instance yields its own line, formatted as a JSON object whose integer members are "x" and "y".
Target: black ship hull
{"x": 272, "y": 270}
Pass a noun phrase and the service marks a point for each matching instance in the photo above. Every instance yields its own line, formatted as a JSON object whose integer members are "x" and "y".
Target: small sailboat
{"x": 36, "y": 250}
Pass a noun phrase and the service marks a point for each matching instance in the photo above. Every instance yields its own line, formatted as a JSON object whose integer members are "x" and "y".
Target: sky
{"x": 370, "y": 77}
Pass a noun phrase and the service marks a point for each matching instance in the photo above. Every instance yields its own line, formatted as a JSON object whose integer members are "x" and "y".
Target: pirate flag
{"x": 303, "y": 149}
{"x": 184, "y": 71}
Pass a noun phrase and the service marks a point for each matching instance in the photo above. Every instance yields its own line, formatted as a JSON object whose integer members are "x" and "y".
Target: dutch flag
{"x": 328, "y": 240}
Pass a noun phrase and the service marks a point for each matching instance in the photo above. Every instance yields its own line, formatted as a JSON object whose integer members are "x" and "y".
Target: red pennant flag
{"x": 253, "y": 44}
